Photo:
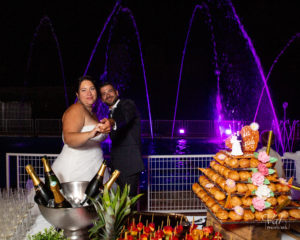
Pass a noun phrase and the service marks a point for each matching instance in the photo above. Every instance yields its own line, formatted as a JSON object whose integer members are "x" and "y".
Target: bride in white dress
{"x": 81, "y": 156}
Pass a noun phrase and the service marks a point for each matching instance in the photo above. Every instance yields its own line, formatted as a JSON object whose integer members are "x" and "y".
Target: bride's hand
{"x": 96, "y": 131}
{"x": 105, "y": 126}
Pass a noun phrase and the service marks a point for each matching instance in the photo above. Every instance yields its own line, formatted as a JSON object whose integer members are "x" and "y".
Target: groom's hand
{"x": 105, "y": 126}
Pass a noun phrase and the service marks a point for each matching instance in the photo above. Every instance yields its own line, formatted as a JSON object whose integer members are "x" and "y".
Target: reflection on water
{"x": 156, "y": 146}
{"x": 181, "y": 147}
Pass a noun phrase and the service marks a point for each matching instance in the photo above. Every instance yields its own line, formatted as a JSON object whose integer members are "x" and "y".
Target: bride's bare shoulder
{"x": 75, "y": 110}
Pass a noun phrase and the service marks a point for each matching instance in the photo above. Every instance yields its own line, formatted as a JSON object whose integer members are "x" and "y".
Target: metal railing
{"x": 170, "y": 178}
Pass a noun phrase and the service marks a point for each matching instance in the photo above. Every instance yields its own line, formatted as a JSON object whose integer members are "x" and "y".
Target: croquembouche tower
{"x": 242, "y": 186}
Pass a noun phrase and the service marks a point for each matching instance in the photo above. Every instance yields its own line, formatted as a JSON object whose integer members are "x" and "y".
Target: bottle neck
{"x": 101, "y": 170}
{"x": 112, "y": 179}
{"x": 35, "y": 179}
{"x": 47, "y": 167}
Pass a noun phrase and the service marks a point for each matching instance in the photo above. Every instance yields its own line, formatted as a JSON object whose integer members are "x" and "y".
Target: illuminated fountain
{"x": 240, "y": 79}
{"x": 217, "y": 70}
{"x": 287, "y": 128}
{"x": 45, "y": 21}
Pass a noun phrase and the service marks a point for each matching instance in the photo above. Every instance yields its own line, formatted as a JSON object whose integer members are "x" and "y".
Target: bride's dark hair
{"x": 83, "y": 78}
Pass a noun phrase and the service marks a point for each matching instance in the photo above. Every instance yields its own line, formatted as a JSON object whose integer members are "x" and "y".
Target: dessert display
{"x": 241, "y": 185}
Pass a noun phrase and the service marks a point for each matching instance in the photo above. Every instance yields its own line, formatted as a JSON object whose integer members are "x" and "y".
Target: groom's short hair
{"x": 106, "y": 84}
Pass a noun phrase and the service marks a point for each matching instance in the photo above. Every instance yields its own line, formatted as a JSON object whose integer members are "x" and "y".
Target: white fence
{"x": 20, "y": 160}
{"x": 170, "y": 178}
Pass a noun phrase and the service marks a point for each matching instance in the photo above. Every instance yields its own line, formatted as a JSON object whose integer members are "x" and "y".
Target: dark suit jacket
{"x": 126, "y": 139}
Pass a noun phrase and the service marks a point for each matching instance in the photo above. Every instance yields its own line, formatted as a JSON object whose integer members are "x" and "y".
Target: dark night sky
{"x": 162, "y": 27}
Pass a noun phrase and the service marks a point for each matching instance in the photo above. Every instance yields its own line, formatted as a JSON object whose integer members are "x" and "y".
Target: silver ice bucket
{"x": 74, "y": 221}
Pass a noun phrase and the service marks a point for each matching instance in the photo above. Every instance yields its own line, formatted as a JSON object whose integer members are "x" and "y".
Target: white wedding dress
{"x": 82, "y": 163}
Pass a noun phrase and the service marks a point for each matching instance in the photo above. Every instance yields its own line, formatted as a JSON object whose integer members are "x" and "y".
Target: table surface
{"x": 41, "y": 223}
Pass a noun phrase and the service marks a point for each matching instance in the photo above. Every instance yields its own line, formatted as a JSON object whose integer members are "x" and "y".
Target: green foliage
{"x": 112, "y": 209}
{"x": 48, "y": 234}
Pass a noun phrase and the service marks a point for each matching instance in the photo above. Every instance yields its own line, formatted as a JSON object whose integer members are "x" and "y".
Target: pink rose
{"x": 263, "y": 157}
{"x": 283, "y": 181}
{"x": 209, "y": 185}
{"x": 257, "y": 178}
{"x": 258, "y": 203}
{"x": 263, "y": 169}
{"x": 239, "y": 210}
{"x": 230, "y": 183}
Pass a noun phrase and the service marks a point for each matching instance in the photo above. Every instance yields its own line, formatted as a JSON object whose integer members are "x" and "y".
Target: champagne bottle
{"x": 59, "y": 199}
{"x": 97, "y": 182}
{"x": 43, "y": 194}
{"x": 49, "y": 174}
{"x": 108, "y": 184}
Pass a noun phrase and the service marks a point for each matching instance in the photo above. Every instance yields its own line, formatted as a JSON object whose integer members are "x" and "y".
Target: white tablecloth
{"x": 39, "y": 225}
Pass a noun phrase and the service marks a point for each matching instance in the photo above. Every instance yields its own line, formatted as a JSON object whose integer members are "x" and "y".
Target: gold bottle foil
{"x": 35, "y": 179}
{"x": 112, "y": 179}
{"x": 46, "y": 164}
{"x": 102, "y": 170}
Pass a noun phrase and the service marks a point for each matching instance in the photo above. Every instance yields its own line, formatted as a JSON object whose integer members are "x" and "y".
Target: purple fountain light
{"x": 127, "y": 10}
{"x": 271, "y": 69}
{"x": 217, "y": 70}
{"x": 102, "y": 109}
{"x": 100, "y": 36}
{"x": 260, "y": 69}
{"x": 46, "y": 21}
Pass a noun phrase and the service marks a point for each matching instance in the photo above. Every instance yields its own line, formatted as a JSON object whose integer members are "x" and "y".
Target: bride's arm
{"x": 73, "y": 121}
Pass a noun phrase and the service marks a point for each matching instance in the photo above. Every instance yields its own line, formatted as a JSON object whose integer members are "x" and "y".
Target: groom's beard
{"x": 112, "y": 103}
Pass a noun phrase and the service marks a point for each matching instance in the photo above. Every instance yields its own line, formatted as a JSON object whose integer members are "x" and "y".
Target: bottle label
{"x": 53, "y": 183}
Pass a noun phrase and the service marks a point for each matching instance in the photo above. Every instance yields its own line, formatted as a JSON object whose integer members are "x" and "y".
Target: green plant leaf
{"x": 272, "y": 159}
{"x": 115, "y": 200}
{"x": 117, "y": 206}
{"x": 266, "y": 181}
{"x": 112, "y": 210}
{"x": 106, "y": 198}
{"x": 271, "y": 171}
{"x": 267, "y": 204}
{"x": 123, "y": 197}
{"x": 50, "y": 234}
{"x": 134, "y": 199}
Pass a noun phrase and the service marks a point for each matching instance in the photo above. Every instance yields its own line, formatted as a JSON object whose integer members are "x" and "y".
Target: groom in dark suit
{"x": 125, "y": 135}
